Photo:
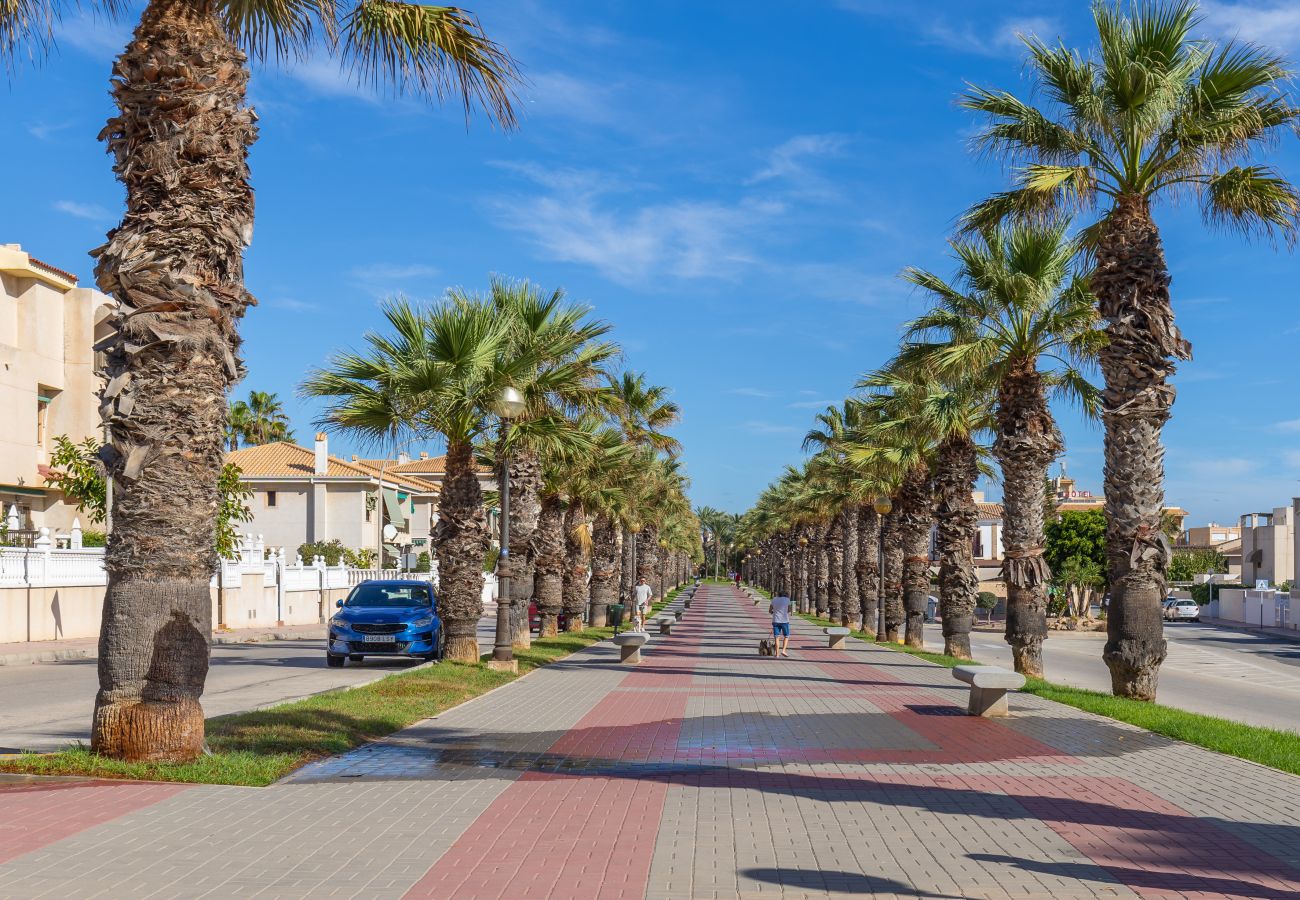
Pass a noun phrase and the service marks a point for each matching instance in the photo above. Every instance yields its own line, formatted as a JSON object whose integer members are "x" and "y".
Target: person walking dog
{"x": 779, "y": 609}
{"x": 642, "y": 599}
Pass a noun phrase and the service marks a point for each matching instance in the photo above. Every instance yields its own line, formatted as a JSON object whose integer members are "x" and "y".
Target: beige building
{"x": 305, "y": 496}
{"x": 48, "y": 383}
{"x": 1268, "y": 545}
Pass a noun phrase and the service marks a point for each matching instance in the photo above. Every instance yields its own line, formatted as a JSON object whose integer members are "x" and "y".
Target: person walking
{"x": 779, "y": 609}
{"x": 641, "y": 598}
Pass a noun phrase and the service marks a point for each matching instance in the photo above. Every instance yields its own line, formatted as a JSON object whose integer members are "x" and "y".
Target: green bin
{"x": 614, "y": 615}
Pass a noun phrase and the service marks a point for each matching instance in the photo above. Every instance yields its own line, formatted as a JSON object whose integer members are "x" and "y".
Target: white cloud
{"x": 1275, "y": 23}
{"x": 90, "y": 211}
{"x": 327, "y": 78}
{"x": 43, "y": 131}
{"x": 761, "y": 427}
{"x": 1291, "y": 458}
{"x": 970, "y": 36}
{"x": 94, "y": 36}
{"x": 578, "y": 221}
{"x": 293, "y": 304}
{"x": 389, "y": 272}
{"x": 751, "y": 392}
{"x": 1290, "y": 426}
{"x": 1225, "y": 467}
{"x": 560, "y": 94}
{"x": 788, "y": 160}
{"x": 813, "y": 404}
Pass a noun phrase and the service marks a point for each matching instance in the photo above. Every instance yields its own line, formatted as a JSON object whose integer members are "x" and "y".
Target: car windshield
{"x": 389, "y": 596}
{"x": 1186, "y": 602}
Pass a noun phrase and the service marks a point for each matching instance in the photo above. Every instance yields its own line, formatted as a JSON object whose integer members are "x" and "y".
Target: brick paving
{"x": 706, "y": 771}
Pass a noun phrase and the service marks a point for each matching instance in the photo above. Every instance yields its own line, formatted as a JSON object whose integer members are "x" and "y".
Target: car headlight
{"x": 422, "y": 622}
{"x": 338, "y": 622}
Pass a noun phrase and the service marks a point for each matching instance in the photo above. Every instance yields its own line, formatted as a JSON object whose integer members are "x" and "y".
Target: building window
{"x": 44, "y": 398}
{"x": 270, "y": 498}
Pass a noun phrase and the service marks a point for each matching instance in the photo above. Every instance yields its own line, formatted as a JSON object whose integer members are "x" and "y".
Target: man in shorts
{"x": 641, "y": 598}
{"x": 779, "y": 609}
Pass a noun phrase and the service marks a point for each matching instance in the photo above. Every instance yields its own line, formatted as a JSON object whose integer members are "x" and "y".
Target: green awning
{"x": 396, "y": 514}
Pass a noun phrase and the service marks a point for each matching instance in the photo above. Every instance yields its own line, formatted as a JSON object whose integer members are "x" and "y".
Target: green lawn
{"x": 257, "y": 748}
{"x": 1267, "y": 746}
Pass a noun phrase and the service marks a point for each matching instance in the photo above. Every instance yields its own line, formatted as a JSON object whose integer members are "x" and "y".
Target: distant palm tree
{"x": 238, "y": 424}
{"x": 268, "y": 421}
{"x": 1153, "y": 114}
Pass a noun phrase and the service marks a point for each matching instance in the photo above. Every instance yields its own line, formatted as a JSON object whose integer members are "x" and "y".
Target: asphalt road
{"x": 47, "y": 706}
{"x": 1219, "y": 671}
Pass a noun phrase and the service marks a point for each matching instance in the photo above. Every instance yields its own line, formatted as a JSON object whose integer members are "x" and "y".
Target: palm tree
{"x": 437, "y": 374}
{"x": 1019, "y": 317}
{"x": 1152, "y": 114}
{"x": 268, "y": 421}
{"x": 238, "y": 424}
{"x": 180, "y": 144}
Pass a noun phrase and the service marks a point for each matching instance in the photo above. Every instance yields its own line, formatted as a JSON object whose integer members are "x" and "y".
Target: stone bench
{"x": 687, "y": 601}
{"x": 666, "y": 624}
{"x": 988, "y": 688}
{"x": 629, "y": 644}
{"x": 836, "y": 634}
{"x": 678, "y": 613}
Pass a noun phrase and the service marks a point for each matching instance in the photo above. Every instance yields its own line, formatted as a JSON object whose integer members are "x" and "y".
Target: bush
{"x": 92, "y": 538}
{"x": 332, "y": 551}
{"x": 360, "y": 558}
{"x": 987, "y": 600}
{"x": 422, "y": 562}
{"x": 490, "y": 561}
{"x": 1201, "y": 592}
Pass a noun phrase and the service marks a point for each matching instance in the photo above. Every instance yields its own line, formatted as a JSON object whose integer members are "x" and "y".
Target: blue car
{"x": 386, "y": 618}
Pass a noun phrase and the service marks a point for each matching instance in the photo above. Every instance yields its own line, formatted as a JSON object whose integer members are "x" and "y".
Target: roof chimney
{"x": 424, "y": 454}
{"x": 322, "y": 454}
{"x": 403, "y": 458}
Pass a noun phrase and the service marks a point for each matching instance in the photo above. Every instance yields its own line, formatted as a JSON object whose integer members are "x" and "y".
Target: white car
{"x": 1183, "y": 611}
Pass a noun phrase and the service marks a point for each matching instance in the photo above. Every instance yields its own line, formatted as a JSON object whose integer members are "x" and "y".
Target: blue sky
{"x": 734, "y": 186}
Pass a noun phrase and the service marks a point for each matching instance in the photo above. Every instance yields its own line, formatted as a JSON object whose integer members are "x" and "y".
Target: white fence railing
{"x": 43, "y": 566}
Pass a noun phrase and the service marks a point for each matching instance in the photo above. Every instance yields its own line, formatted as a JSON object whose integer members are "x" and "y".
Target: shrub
{"x": 92, "y": 538}
{"x": 333, "y": 551}
{"x": 987, "y": 600}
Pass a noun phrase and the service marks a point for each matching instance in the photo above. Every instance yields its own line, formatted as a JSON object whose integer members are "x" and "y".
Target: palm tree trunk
{"x": 175, "y": 267}
{"x": 461, "y": 541}
{"x": 892, "y": 578}
{"x": 802, "y": 568}
{"x": 1026, "y": 443}
{"x": 627, "y": 568}
{"x": 868, "y": 567}
{"x": 1132, "y": 286}
{"x": 835, "y": 569}
{"x": 823, "y": 569}
{"x": 525, "y": 508}
{"x": 604, "y": 569}
{"x": 915, "y": 516}
{"x": 549, "y": 580}
{"x": 577, "y": 593}
{"x": 958, "y": 520}
{"x": 850, "y": 607}
{"x": 647, "y": 558}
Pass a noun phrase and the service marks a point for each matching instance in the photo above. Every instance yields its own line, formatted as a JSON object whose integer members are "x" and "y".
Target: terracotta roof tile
{"x": 283, "y": 459}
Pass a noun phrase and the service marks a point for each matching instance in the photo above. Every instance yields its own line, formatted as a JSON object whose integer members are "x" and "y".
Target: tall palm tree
{"x": 268, "y": 421}
{"x": 1019, "y": 317}
{"x": 180, "y": 144}
{"x": 436, "y": 374}
{"x": 1153, "y": 113}
{"x": 238, "y": 424}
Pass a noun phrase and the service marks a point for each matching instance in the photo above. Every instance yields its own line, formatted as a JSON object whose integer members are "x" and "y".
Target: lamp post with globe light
{"x": 509, "y": 405}
{"x": 883, "y": 506}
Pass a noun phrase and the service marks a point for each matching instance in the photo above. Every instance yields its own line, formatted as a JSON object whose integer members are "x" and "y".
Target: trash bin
{"x": 614, "y": 615}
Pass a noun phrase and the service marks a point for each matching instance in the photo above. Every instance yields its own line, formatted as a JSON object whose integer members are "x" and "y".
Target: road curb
{"x": 41, "y": 656}
{"x": 61, "y": 654}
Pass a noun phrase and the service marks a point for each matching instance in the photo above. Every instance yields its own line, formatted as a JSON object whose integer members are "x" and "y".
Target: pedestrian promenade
{"x": 706, "y": 771}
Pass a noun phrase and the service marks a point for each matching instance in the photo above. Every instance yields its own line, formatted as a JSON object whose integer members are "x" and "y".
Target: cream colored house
{"x": 48, "y": 383}
{"x": 1268, "y": 543}
{"x": 305, "y": 496}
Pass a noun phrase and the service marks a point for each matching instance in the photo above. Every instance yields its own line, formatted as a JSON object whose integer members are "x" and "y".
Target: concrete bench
{"x": 837, "y": 634}
{"x": 629, "y": 644}
{"x": 678, "y": 613}
{"x": 666, "y": 624}
{"x": 687, "y": 601}
{"x": 988, "y": 688}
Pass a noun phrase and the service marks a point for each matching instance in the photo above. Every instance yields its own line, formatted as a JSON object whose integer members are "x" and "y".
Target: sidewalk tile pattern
{"x": 705, "y": 771}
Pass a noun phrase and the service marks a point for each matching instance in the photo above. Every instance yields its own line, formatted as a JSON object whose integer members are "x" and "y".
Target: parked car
{"x": 1166, "y": 604}
{"x": 386, "y": 618}
{"x": 535, "y": 618}
{"x": 1183, "y": 611}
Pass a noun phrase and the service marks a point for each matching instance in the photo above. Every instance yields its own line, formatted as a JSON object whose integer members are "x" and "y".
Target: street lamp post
{"x": 508, "y": 406}
{"x": 883, "y": 506}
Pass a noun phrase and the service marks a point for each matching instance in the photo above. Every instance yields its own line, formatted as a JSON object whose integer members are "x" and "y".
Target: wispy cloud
{"x": 43, "y": 131}
{"x": 1288, "y": 426}
{"x": 1001, "y": 38}
{"x": 812, "y": 404}
{"x": 292, "y": 304}
{"x": 92, "y": 212}
{"x": 580, "y": 218}
{"x": 1222, "y": 467}
{"x": 1291, "y": 458}
{"x": 563, "y": 95}
{"x": 389, "y": 272}
{"x": 790, "y": 159}
{"x": 327, "y": 78}
{"x": 94, "y": 36}
{"x": 1275, "y": 23}
{"x": 751, "y": 392}
{"x": 756, "y": 426}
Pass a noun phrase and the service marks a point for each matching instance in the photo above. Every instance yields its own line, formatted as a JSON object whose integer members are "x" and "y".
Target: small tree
{"x": 75, "y": 470}
{"x": 987, "y": 601}
{"x": 1187, "y": 564}
{"x": 232, "y": 507}
{"x": 1080, "y": 578}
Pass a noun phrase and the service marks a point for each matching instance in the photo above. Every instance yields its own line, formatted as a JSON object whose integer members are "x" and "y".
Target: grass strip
{"x": 1266, "y": 746}
{"x": 259, "y": 747}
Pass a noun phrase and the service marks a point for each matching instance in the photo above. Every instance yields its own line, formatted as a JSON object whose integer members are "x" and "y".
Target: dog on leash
{"x": 767, "y": 647}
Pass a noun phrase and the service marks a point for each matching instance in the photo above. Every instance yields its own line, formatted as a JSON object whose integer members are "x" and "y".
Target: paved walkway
{"x": 707, "y": 771}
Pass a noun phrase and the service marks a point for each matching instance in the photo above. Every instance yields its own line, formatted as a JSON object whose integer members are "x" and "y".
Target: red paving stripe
{"x": 554, "y": 835}
{"x": 38, "y": 814}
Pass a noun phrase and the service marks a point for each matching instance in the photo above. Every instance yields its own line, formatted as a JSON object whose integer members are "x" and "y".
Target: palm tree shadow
{"x": 1181, "y": 883}
{"x": 839, "y": 882}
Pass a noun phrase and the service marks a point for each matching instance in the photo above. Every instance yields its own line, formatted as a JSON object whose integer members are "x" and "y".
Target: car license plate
{"x": 379, "y": 638}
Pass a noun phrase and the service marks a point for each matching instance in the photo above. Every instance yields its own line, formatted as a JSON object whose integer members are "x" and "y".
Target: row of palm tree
{"x": 180, "y": 143}
{"x": 590, "y": 467}
{"x": 260, "y": 419}
{"x": 1037, "y": 301}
